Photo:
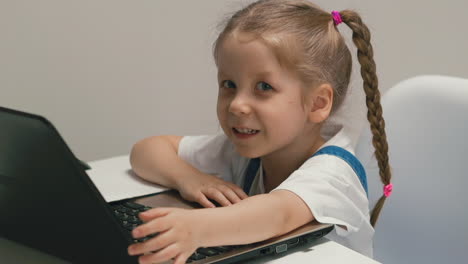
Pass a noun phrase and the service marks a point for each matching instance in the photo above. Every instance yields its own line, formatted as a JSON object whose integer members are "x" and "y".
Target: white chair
{"x": 425, "y": 220}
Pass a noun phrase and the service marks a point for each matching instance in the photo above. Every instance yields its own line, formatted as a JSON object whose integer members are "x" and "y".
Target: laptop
{"x": 48, "y": 202}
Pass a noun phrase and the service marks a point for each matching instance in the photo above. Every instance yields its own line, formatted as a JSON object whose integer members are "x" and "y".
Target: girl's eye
{"x": 228, "y": 84}
{"x": 263, "y": 86}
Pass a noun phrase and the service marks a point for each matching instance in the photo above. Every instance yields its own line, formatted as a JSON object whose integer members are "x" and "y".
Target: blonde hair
{"x": 306, "y": 41}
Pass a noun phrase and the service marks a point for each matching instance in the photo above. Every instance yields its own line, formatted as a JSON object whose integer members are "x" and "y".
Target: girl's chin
{"x": 247, "y": 152}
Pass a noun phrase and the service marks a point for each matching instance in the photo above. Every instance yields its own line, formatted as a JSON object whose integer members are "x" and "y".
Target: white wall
{"x": 108, "y": 72}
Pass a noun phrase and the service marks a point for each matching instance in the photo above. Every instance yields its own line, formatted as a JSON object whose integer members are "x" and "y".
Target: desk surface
{"x": 321, "y": 251}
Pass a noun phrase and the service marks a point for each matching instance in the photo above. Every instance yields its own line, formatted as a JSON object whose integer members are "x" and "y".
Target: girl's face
{"x": 259, "y": 102}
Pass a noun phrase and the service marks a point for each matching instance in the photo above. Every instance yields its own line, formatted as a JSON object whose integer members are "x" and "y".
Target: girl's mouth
{"x": 244, "y": 133}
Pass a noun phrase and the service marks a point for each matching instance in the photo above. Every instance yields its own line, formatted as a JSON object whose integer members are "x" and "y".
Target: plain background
{"x": 108, "y": 73}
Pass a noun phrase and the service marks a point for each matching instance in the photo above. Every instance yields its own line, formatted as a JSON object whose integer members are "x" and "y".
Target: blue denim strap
{"x": 250, "y": 173}
{"x": 254, "y": 164}
{"x": 349, "y": 158}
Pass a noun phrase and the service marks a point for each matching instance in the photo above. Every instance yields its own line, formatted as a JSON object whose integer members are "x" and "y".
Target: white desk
{"x": 321, "y": 251}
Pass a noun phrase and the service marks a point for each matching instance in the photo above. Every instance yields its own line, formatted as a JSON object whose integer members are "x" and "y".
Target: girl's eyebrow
{"x": 221, "y": 73}
{"x": 262, "y": 74}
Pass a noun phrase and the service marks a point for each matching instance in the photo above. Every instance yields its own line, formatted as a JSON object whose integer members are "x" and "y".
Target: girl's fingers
{"x": 181, "y": 258}
{"x": 153, "y": 213}
{"x": 205, "y": 202}
{"x": 151, "y": 227}
{"x": 219, "y": 197}
{"x": 165, "y": 254}
{"x": 242, "y": 195}
{"x": 231, "y": 195}
{"x": 162, "y": 240}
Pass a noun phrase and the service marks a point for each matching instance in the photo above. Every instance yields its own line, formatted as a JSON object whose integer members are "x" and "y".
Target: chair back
{"x": 425, "y": 220}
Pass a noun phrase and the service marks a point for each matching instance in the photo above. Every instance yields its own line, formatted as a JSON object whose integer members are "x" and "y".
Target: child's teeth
{"x": 246, "y": 130}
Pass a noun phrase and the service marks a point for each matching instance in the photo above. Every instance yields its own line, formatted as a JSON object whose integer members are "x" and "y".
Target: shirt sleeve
{"x": 213, "y": 154}
{"x": 332, "y": 191}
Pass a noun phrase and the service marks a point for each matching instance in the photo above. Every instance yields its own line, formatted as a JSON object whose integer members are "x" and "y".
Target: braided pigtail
{"x": 361, "y": 38}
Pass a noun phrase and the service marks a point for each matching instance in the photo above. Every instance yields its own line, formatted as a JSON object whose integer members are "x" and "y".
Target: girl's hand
{"x": 205, "y": 187}
{"x": 179, "y": 235}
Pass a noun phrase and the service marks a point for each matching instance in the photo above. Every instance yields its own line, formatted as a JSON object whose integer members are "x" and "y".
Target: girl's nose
{"x": 240, "y": 106}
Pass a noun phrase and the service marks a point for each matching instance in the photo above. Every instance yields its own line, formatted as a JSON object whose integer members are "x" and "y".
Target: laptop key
{"x": 126, "y": 224}
{"x": 117, "y": 213}
{"x": 197, "y": 256}
{"x": 124, "y": 217}
{"x": 222, "y": 249}
{"x": 130, "y": 228}
{"x": 116, "y": 207}
{"x": 208, "y": 252}
{"x": 135, "y": 211}
{"x": 124, "y": 210}
{"x": 134, "y": 220}
{"x": 140, "y": 240}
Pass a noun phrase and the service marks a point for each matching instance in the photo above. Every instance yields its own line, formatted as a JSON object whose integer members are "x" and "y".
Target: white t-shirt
{"x": 327, "y": 184}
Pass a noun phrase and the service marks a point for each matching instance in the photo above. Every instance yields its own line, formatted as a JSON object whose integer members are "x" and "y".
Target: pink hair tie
{"x": 387, "y": 190}
{"x": 336, "y": 17}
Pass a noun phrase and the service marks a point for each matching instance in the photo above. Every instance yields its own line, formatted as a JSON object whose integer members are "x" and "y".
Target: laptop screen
{"x": 47, "y": 200}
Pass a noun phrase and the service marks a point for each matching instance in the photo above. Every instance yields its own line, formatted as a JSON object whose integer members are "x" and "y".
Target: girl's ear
{"x": 320, "y": 101}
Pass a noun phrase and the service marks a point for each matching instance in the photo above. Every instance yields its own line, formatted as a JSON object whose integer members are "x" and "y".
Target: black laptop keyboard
{"x": 128, "y": 212}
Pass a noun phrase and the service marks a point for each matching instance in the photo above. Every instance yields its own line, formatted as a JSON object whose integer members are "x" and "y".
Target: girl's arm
{"x": 182, "y": 231}
{"x": 155, "y": 159}
{"x": 255, "y": 219}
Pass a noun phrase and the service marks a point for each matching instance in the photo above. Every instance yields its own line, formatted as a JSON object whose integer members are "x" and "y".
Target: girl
{"x": 283, "y": 69}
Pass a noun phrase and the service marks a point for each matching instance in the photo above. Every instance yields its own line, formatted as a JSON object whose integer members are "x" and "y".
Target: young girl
{"x": 283, "y": 69}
